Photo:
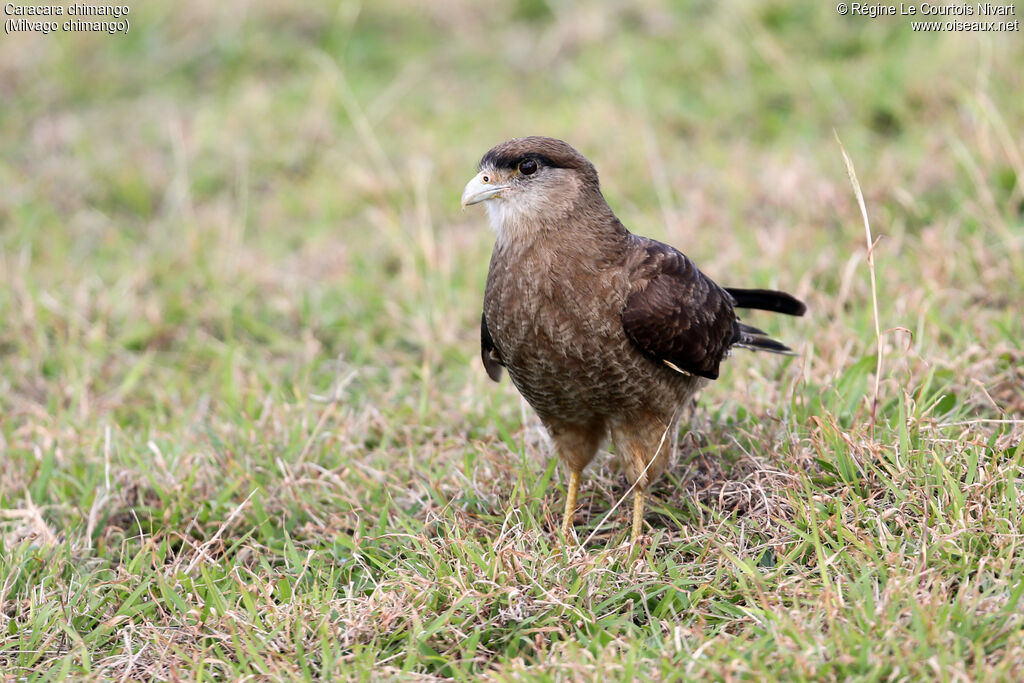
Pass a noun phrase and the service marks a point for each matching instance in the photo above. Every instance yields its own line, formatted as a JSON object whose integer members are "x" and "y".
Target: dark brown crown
{"x": 547, "y": 151}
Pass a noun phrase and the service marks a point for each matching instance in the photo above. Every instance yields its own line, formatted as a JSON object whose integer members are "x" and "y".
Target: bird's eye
{"x": 486, "y": 179}
{"x": 528, "y": 167}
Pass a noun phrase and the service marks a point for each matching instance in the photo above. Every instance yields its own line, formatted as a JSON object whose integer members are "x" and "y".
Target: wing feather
{"x": 488, "y": 352}
{"x": 677, "y": 314}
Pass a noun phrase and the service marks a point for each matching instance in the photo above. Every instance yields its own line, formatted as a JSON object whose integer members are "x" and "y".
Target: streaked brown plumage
{"x": 602, "y": 331}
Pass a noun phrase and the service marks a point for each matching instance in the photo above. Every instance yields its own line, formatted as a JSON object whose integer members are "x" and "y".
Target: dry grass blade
{"x": 871, "y": 244}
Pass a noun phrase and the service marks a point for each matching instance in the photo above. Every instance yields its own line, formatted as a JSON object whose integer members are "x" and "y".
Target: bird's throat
{"x": 511, "y": 225}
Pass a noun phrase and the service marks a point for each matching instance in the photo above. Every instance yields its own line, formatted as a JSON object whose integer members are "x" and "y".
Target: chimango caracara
{"x": 602, "y": 331}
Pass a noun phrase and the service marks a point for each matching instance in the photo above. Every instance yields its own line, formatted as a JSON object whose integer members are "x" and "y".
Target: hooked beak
{"x": 480, "y": 189}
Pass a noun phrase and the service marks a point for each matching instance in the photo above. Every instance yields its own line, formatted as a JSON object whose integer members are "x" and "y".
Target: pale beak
{"x": 480, "y": 190}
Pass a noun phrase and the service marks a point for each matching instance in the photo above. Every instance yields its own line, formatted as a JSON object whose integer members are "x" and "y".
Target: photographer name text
{"x": 924, "y": 9}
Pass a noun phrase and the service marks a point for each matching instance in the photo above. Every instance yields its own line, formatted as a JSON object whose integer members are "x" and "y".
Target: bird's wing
{"x": 488, "y": 352}
{"x": 678, "y": 315}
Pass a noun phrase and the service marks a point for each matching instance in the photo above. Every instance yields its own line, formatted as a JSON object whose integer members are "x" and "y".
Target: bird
{"x": 605, "y": 333}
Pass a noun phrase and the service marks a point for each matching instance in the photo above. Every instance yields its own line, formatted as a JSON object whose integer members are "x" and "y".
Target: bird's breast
{"x": 553, "y": 305}
{"x": 557, "y": 323}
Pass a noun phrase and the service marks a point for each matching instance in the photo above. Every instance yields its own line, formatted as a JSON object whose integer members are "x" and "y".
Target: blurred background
{"x": 216, "y": 202}
{"x": 232, "y": 255}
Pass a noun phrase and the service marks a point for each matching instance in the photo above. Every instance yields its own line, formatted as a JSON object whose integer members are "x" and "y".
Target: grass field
{"x": 244, "y": 428}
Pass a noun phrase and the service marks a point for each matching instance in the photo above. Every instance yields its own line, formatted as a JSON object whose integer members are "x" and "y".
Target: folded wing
{"x": 678, "y": 315}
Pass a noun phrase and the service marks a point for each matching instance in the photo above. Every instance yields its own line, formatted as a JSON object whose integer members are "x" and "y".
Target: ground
{"x": 244, "y": 427}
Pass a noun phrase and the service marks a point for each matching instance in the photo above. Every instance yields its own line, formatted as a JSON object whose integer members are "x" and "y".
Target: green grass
{"x": 244, "y": 430}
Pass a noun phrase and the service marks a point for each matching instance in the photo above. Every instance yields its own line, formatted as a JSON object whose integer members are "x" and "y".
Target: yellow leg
{"x": 570, "y": 503}
{"x": 638, "y": 515}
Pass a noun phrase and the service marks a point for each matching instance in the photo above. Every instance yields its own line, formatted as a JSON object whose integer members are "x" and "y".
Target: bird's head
{"x": 532, "y": 184}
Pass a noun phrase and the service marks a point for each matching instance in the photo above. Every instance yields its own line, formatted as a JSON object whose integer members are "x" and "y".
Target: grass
{"x": 243, "y": 426}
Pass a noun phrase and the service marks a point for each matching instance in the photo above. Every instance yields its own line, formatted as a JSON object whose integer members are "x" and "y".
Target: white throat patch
{"x": 509, "y": 224}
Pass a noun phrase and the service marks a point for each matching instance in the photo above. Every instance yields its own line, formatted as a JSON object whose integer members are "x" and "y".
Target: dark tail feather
{"x": 754, "y": 339}
{"x": 767, "y": 300}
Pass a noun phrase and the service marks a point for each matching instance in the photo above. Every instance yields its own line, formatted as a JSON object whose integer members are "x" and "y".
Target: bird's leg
{"x": 570, "y": 503}
{"x": 639, "y": 496}
{"x": 576, "y": 443}
{"x": 643, "y": 442}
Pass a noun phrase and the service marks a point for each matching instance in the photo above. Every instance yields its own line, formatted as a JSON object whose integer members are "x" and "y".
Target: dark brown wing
{"x": 680, "y": 316}
{"x": 489, "y": 354}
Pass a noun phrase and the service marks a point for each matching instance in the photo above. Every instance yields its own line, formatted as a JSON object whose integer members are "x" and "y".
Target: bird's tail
{"x": 767, "y": 300}
{"x": 750, "y": 337}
